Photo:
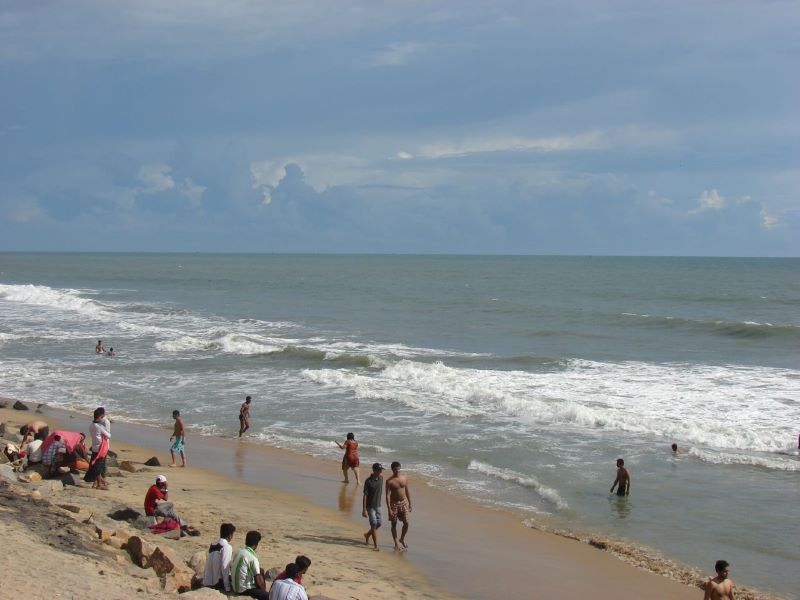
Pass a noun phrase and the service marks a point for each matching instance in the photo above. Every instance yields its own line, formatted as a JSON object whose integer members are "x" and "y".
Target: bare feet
{"x": 376, "y": 549}
{"x": 173, "y": 465}
{"x": 366, "y": 538}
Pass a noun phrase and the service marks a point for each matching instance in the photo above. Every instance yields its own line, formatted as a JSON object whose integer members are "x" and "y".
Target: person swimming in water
{"x": 100, "y": 348}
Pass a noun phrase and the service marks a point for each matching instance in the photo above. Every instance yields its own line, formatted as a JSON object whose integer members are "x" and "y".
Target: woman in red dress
{"x": 350, "y": 459}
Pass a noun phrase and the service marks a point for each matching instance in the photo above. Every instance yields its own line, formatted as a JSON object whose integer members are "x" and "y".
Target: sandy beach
{"x": 301, "y": 507}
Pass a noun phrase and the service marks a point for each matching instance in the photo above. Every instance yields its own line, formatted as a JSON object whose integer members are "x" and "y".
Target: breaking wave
{"x": 546, "y": 493}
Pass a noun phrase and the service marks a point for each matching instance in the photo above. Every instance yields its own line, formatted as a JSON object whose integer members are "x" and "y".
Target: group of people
{"x": 100, "y": 348}
{"x": 398, "y": 495}
{"x": 58, "y": 452}
{"x": 243, "y": 574}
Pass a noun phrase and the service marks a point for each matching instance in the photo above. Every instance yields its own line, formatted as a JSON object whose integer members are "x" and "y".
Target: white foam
{"x": 41, "y": 295}
{"x": 9, "y": 337}
{"x": 727, "y": 458}
{"x": 528, "y": 481}
{"x": 231, "y": 343}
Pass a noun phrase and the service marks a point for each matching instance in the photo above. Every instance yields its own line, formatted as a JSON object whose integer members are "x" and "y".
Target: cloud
{"x": 395, "y": 55}
{"x": 403, "y": 155}
{"x": 156, "y": 178}
{"x": 709, "y": 200}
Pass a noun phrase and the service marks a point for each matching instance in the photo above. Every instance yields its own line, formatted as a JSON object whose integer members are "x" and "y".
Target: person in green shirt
{"x": 247, "y": 578}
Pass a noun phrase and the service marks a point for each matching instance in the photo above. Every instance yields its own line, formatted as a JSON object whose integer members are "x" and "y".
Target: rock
{"x": 153, "y": 462}
{"x": 36, "y": 495}
{"x": 114, "y": 473}
{"x": 7, "y": 473}
{"x": 163, "y": 561}
{"x": 602, "y": 545}
{"x": 3, "y": 458}
{"x": 273, "y": 573}
{"x": 3, "y": 403}
{"x": 2, "y": 425}
{"x": 122, "y": 534}
{"x": 114, "y": 542}
{"x": 19, "y": 406}
{"x": 142, "y": 522}
{"x": 179, "y": 581}
{"x": 71, "y": 479}
{"x": 70, "y": 507}
{"x": 104, "y": 533}
{"x": 125, "y": 513}
{"x": 139, "y": 550}
{"x": 52, "y": 486}
{"x": 41, "y": 406}
{"x": 111, "y": 459}
{"x": 127, "y": 466}
{"x": 204, "y": 594}
{"x": 197, "y": 562}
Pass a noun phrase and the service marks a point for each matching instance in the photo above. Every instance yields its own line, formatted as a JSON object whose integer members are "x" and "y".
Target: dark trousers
{"x": 256, "y": 593}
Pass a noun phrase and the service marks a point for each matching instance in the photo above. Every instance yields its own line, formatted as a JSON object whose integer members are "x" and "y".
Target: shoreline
{"x": 459, "y": 558}
{"x": 515, "y": 533}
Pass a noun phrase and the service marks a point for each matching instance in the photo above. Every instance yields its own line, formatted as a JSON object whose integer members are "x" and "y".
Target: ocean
{"x": 514, "y": 381}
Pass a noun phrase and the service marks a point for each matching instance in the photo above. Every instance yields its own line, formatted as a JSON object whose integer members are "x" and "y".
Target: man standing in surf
{"x": 398, "y": 502}
{"x": 623, "y": 480}
{"x": 244, "y": 416}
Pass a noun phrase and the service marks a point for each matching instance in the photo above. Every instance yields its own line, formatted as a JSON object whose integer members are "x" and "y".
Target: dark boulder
{"x": 153, "y": 462}
{"x": 125, "y": 513}
{"x": 19, "y": 406}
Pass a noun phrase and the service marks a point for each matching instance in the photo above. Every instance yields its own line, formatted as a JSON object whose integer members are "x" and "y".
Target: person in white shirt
{"x": 217, "y": 573}
{"x": 100, "y": 433}
{"x": 288, "y": 589}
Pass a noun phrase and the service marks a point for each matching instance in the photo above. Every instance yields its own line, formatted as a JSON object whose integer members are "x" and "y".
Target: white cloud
{"x": 395, "y": 55}
{"x": 583, "y": 141}
{"x": 767, "y": 220}
{"x": 709, "y": 200}
{"x": 193, "y": 192}
{"x": 156, "y": 178}
{"x": 403, "y": 155}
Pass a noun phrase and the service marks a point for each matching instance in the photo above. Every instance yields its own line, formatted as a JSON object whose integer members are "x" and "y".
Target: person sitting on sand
{"x": 719, "y": 587}
{"x": 350, "y": 459}
{"x": 33, "y": 451}
{"x": 100, "y": 348}
{"x": 111, "y": 352}
{"x": 156, "y": 504}
{"x": 371, "y": 503}
{"x": 288, "y": 588}
{"x": 34, "y": 430}
{"x": 244, "y": 415}
{"x": 217, "y": 572}
{"x": 302, "y": 563}
{"x": 623, "y": 480}
{"x": 398, "y": 501}
{"x": 247, "y": 577}
{"x": 179, "y": 435}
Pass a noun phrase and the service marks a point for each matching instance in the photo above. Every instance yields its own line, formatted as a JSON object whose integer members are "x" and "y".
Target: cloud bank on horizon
{"x": 611, "y": 127}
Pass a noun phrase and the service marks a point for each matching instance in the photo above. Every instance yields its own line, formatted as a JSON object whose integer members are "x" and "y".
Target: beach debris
{"x": 71, "y": 479}
{"x": 127, "y": 466}
{"x": 153, "y": 462}
{"x": 125, "y": 513}
{"x": 139, "y": 550}
{"x": 19, "y": 406}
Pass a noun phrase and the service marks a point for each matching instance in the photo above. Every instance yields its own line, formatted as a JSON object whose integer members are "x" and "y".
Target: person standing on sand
{"x": 350, "y": 459}
{"x": 398, "y": 501}
{"x": 720, "y": 587}
{"x": 100, "y": 432}
{"x": 244, "y": 415}
{"x": 179, "y": 435}
{"x": 623, "y": 480}
{"x": 371, "y": 504}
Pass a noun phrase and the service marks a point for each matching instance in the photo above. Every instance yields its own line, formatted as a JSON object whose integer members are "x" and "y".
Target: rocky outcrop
{"x": 127, "y": 466}
{"x": 139, "y": 550}
{"x": 19, "y": 406}
{"x": 153, "y": 462}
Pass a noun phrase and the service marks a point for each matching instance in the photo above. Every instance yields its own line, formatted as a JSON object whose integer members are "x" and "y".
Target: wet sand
{"x": 470, "y": 550}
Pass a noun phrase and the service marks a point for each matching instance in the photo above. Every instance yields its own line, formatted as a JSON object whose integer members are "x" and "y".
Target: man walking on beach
{"x": 179, "y": 435}
{"x": 398, "y": 501}
{"x": 244, "y": 416}
{"x": 247, "y": 578}
{"x": 371, "y": 504}
{"x": 720, "y": 587}
{"x": 623, "y": 480}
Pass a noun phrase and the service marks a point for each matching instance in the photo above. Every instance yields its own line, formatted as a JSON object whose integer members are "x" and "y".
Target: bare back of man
{"x": 719, "y": 589}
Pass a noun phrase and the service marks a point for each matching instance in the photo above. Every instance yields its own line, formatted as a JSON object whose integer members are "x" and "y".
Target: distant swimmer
{"x": 350, "y": 459}
{"x": 244, "y": 415}
{"x": 720, "y": 587}
{"x": 179, "y": 435}
{"x": 623, "y": 480}
{"x": 111, "y": 352}
{"x": 676, "y": 451}
{"x": 100, "y": 348}
{"x": 398, "y": 501}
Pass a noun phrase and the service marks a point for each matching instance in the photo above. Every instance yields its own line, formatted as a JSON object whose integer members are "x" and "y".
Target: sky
{"x": 466, "y": 127}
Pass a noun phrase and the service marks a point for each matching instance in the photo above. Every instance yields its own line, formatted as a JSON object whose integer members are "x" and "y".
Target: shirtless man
{"x": 720, "y": 587}
{"x": 111, "y": 352}
{"x": 179, "y": 435}
{"x": 244, "y": 416}
{"x": 623, "y": 480}
{"x": 100, "y": 348}
{"x": 33, "y": 430}
{"x": 398, "y": 503}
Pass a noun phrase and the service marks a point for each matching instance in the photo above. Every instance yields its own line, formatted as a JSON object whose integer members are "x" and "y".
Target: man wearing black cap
{"x": 371, "y": 503}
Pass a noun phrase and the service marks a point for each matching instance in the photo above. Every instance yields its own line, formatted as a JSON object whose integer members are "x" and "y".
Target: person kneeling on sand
{"x": 217, "y": 573}
{"x": 35, "y": 430}
{"x": 720, "y": 587}
{"x": 247, "y": 577}
{"x": 288, "y": 588}
{"x": 54, "y": 456}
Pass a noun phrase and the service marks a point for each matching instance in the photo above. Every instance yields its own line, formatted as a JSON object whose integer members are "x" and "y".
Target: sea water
{"x": 515, "y": 381}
